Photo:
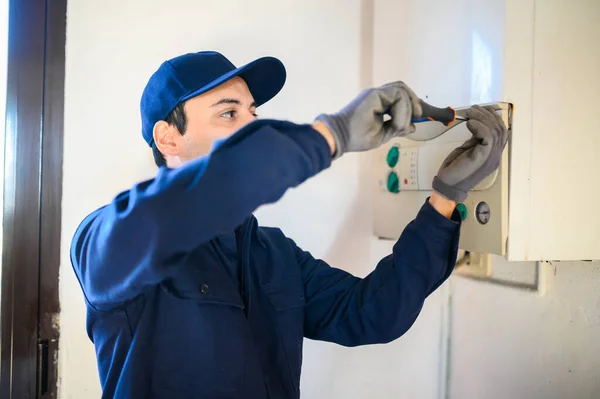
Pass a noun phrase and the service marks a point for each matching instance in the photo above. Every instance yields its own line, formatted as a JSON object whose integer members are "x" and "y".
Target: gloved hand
{"x": 360, "y": 125}
{"x": 476, "y": 158}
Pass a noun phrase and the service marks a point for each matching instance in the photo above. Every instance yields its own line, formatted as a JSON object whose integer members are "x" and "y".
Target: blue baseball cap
{"x": 190, "y": 75}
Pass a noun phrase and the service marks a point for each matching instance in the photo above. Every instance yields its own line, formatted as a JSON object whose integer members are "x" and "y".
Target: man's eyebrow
{"x": 232, "y": 101}
{"x": 227, "y": 101}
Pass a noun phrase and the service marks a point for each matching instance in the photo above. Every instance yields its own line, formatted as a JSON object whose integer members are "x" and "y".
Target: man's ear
{"x": 163, "y": 135}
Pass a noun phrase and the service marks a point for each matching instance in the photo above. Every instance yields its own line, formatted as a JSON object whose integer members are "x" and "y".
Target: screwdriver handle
{"x": 447, "y": 115}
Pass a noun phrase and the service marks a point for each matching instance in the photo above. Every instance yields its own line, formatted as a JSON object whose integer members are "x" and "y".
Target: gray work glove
{"x": 476, "y": 159}
{"x": 360, "y": 125}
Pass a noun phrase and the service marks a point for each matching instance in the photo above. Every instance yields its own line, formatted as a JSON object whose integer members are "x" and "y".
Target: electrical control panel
{"x": 413, "y": 168}
{"x": 403, "y": 172}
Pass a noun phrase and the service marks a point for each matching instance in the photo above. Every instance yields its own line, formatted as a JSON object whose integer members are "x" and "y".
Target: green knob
{"x": 392, "y": 156}
{"x": 462, "y": 210}
{"x": 393, "y": 185}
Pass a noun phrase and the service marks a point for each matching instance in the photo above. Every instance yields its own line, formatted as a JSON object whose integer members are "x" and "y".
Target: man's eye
{"x": 228, "y": 114}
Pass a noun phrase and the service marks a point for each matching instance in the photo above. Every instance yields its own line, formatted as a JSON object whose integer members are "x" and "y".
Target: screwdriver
{"x": 447, "y": 115}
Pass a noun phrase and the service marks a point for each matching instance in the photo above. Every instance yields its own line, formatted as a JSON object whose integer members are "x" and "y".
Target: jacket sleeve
{"x": 350, "y": 311}
{"x": 144, "y": 233}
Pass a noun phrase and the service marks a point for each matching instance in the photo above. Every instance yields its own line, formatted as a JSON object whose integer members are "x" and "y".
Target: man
{"x": 188, "y": 298}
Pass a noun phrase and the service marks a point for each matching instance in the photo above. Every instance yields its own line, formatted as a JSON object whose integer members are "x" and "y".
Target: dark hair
{"x": 176, "y": 117}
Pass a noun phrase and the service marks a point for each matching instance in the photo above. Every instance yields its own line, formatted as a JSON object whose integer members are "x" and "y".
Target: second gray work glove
{"x": 477, "y": 158}
{"x": 360, "y": 125}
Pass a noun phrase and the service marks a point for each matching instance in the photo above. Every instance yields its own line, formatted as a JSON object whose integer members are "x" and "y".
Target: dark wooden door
{"x": 32, "y": 198}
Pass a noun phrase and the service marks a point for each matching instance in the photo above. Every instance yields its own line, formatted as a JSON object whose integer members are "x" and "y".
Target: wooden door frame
{"x": 32, "y": 199}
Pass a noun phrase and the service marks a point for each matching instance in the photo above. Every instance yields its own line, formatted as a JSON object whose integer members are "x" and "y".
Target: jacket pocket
{"x": 206, "y": 352}
{"x": 287, "y": 300}
{"x": 204, "y": 288}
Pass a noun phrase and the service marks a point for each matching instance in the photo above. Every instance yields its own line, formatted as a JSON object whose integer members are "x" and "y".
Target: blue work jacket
{"x": 171, "y": 316}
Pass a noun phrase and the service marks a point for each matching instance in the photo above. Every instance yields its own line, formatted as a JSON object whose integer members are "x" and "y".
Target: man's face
{"x": 215, "y": 114}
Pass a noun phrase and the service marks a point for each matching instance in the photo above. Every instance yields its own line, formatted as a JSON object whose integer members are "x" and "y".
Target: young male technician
{"x": 188, "y": 297}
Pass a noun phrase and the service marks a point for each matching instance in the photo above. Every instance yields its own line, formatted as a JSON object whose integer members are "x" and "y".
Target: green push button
{"x": 393, "y": 185}
{"x": 392, "y": 156}
{"x": 462, "y": 210}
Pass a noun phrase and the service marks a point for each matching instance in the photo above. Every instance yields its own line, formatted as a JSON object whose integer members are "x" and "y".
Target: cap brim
{"x": 265, "y": 77}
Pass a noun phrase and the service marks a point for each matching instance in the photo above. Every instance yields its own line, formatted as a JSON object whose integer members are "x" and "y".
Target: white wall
{"x": 113, "y": 47}
{"x": 507, "y": 343}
